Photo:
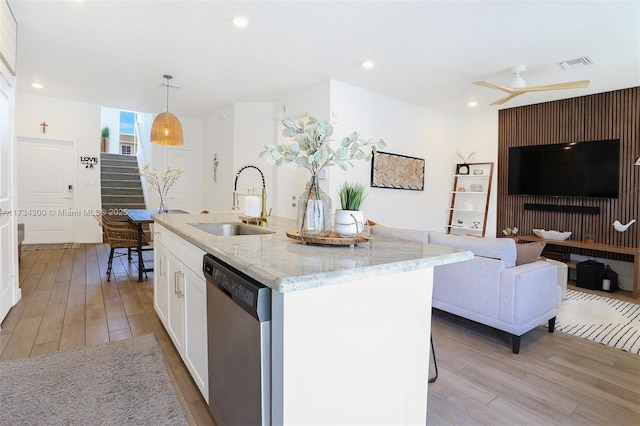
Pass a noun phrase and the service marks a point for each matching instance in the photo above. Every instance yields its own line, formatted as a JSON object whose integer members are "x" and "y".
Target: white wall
{"x": 479, "y": 134}
{"x": 236, "y": 134}
{"x": 193, "y": 130}
{"x": 74, "y": 121}
{"x": 218, "y": 140}
{"x": 407, "y": 129}
{"x": 311, "y": 101}
{"x": 253, "y": 128}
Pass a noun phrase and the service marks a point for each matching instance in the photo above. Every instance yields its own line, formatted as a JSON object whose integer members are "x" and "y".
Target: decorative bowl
{"x": 552, "y": 235}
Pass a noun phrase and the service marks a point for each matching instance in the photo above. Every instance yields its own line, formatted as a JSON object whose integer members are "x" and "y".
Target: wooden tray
{"x": 332, "y": 240}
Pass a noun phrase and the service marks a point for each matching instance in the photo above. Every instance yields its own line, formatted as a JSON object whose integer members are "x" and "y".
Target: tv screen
{"x": 579, "y": 169}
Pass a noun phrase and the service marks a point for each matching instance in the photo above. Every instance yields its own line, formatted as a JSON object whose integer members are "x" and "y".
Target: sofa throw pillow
{"x": 530, "y": 252}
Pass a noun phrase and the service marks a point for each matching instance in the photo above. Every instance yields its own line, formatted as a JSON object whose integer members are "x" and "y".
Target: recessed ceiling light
{"x": 368, "y": 65}
{"x": 472, "y": 104}
{"x": 240, "y": 21}
{"x": 37, "y": 85}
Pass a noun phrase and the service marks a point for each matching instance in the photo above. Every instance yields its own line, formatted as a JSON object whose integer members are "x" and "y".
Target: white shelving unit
{"x": 470, "y": 199}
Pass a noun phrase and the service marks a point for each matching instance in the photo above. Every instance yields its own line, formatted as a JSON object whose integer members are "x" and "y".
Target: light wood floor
{"x": 556, "y": 379}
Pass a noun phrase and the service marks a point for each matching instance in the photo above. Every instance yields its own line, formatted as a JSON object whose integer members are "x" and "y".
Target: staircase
{"x": 120, "y": 183}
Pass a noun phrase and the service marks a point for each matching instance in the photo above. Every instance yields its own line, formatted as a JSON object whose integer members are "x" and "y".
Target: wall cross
{"x": 44, "y": 126}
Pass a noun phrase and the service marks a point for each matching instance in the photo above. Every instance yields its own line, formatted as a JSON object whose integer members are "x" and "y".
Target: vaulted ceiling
{"x": 114, "y": 53}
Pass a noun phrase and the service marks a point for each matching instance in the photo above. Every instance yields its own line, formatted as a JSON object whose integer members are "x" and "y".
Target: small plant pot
{"x": 349, "y": 222}
{"x": 589, "y": 241}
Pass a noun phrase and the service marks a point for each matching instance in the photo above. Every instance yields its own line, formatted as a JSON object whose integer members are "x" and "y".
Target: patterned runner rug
{"x": 601, "y": 319}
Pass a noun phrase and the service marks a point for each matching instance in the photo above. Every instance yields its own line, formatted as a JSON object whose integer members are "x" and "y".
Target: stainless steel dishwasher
{"x": 239, "y": 342}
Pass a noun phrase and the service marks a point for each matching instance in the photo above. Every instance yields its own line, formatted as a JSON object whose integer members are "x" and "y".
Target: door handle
{"x": 180, "y": 292}
{"x": 163, "y": 269}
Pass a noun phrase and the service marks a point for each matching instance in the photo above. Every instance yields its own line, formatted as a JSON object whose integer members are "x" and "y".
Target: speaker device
{"x": 588, "y": 274}
{"x": 562, "y": 208}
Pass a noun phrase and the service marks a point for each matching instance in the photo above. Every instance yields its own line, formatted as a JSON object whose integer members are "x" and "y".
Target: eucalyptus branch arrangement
{"x": 162, "y": 185}
{"x": 310, "y": 146}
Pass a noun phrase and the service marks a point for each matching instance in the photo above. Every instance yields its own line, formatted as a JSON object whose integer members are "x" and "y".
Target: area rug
{"x": 601, "y": 319}
{"x": 118, "y": 383}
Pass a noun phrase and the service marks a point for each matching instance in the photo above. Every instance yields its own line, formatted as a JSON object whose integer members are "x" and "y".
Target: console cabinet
{"x": 470, "y": 199}
{"x": 180, "y": 300}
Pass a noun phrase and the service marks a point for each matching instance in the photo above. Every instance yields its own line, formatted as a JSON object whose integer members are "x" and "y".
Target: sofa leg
{"x": 515, "y": 343}
{"x": 552, "y": 324}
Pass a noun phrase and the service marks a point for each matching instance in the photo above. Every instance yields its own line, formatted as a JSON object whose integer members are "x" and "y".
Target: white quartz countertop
{"x": 285, "y": 265}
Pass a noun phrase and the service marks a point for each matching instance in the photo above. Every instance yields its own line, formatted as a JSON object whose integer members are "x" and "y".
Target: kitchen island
{"x": 350, "y": 325}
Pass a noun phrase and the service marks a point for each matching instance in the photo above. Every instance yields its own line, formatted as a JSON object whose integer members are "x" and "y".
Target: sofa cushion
{"x": 495, "y": 248}
{"x": 529, "y": 252}
{"x": 401, "y": 233}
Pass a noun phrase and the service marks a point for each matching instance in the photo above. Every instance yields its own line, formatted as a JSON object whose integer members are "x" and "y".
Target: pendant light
{"x": 166, "y": 128}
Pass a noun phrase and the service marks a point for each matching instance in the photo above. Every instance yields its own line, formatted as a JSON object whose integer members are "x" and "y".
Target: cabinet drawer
{"x": 192, "y": 258}
{"x": 190, "y": 255}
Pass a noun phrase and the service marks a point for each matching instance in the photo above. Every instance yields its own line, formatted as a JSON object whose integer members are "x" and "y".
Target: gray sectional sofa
{"x": 491, "y": 288}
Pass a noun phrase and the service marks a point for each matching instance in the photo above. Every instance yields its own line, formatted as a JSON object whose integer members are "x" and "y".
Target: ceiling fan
{"x": 519, "y": 86}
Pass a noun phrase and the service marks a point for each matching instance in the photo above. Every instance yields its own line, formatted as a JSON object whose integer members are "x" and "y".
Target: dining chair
{"x": 121, "y": 235}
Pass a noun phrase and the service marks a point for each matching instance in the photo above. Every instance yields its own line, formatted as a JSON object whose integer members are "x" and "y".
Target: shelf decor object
{"x": 397, "y": 171}
{"x": 469, "y": 208}
{"x": 551, "y": 235}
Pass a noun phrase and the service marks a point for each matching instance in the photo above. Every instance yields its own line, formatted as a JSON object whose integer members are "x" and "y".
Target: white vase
{"x": 349, "y": 222}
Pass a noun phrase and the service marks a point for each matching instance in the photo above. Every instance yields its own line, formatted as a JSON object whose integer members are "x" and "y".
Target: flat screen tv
{"x": 582, "y": 169}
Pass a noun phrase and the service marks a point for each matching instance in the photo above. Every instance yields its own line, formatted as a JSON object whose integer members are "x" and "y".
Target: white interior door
{"x": 9, "y": 292}
{"x": 45, "y": 190}
{"x": 182, "y": 195}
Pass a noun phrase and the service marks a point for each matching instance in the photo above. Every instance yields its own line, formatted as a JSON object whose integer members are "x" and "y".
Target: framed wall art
{"x": 397, "y": 171}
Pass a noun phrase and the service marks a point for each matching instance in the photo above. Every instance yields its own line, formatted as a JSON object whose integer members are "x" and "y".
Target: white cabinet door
{"x": 175, "y": 321}
{"x": 180, "y": 299}
{"x": 195, "y": 326}
{"x": 160, "y": 282}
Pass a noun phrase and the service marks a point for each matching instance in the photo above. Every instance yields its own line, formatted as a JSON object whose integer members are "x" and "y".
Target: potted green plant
{"x": 589, "y": 238}
{"x": 349, "y": 219}
{"x": 104, "y": 140}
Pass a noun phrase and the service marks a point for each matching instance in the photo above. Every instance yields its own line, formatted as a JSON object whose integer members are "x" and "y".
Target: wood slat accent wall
{"x": 610, "y": 115}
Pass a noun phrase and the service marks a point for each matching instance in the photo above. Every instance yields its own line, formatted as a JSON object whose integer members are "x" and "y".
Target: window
{"x": 128, "y": 140}
{"x": 127, "y": 123}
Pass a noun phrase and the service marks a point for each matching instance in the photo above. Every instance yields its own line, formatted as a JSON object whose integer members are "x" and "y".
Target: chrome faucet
{"x": 263, "y": 211}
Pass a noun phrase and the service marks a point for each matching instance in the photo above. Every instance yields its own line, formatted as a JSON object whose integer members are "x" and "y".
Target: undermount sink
{"x": 228, "y": 229}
